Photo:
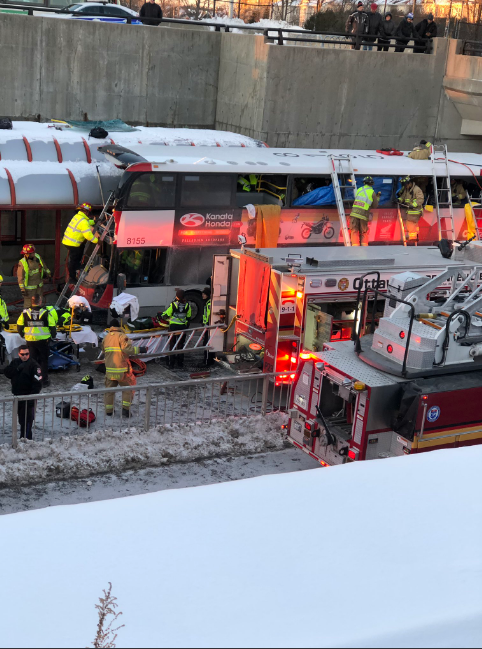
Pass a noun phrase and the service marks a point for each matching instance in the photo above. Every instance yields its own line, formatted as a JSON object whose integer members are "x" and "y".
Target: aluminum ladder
{"x": 337, "y": 168}
{"x": 102, "y": 227}
{"x": 443, "y": 195}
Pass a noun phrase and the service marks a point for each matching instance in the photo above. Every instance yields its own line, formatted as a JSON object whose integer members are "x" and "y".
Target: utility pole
{"x": 231, "y": 8}
{"x": 414, "y": 4}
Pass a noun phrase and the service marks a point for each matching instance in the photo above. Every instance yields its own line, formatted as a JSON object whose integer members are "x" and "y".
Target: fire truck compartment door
{"x": 254, "y": 276}
{"x": 318, "y": 326}
{"x": 220, "y": 296}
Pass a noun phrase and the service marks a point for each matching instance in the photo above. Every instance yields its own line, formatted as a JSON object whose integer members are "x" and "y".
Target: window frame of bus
{"x": 125, "y": 187}
{"x": 291, "y": 187}
{"x": 164, "y": 250}
{"x": 199, "y": 205}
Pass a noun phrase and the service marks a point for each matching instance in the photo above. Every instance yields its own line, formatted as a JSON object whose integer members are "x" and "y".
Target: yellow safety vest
{"x": 78, "y": 231}
{"x": 363, "y": 201}
{"x": 24, "y": 263}
{"x": 35, "y": 327}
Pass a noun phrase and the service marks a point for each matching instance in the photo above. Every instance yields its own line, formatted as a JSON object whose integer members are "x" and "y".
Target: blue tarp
{"x": 326, "y": 195}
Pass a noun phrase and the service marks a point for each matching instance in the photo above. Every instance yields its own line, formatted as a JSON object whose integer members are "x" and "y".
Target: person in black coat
{"x": 374, "y": 21}
{"x": 26, "y": 377}
{"x": 151, "y": 13}
{"x": 385, "y": 33}
{"x": 357, "y": 24}
{"x": 405, "y": 33}
{"x": 426, "y": 28}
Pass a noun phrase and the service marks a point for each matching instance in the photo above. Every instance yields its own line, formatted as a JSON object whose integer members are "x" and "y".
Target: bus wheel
{"x": 197, "y": 305}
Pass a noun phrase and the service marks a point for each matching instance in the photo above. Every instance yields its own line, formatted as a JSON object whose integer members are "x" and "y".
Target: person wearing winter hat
{"x": 426, "y": 28}
{"x": 178, "y": 314}
{"x": 374, "y": 22}
{"x": 357, "y": 25}
{"x": 386, "y": 32}
{"x": 405, "y": 33}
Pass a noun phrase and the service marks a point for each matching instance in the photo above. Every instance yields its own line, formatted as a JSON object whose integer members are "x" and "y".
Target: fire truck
{"x": 284, "y": 304}
{"x": 413, "y": 384}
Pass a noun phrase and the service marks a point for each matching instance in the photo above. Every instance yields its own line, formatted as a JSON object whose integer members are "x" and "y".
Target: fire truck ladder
{"x": 337, "y": 164}
{"x": 102, "y": 227}
{"x": 477, "y": 219}
{"x": 443, "y": 195}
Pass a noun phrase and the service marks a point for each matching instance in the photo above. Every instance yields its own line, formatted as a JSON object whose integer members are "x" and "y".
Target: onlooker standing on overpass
{"x": 426, "y": 28}
{"x": 357, "y": 24}
{"x": 387, "y": 31}
{"x": 405, "y": 33}
{"x": 374, "y": 22}
{"x": 151, "y": 13}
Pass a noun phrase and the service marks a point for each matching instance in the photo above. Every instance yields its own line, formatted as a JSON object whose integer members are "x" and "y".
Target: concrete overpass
{"x": 287, "y": 95}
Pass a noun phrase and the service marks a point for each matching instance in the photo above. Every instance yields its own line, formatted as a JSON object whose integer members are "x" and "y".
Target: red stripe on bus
{"x": 88, "y": 155}
{"x": 74, "y": 187}
{"x": 13, "y": 196}
{"x": 29, "y": 149}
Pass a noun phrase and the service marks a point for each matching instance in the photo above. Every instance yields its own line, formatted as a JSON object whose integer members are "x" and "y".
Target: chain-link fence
{"x": 53, "y": 415}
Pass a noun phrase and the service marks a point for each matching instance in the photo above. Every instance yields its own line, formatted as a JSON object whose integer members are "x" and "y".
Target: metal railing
{"x": 334, "y": 39}
{"x": 164, "y": 404}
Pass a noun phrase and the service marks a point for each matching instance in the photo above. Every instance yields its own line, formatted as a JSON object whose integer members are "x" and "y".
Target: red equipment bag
{"x": 84, "y": 418}
{"x": 389, "y": 151}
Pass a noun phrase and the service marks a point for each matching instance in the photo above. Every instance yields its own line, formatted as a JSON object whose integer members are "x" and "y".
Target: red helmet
{"x": 85, "y": 207}
{"x": 28, "y": 249}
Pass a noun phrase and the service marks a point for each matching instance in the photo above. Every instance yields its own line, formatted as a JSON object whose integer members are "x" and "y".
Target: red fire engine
{"x": 414, "y": 384}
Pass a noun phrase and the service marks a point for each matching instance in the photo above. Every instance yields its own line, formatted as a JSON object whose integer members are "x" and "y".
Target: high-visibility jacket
{"x": 36, "y": 324}
{"x": 4, "y": 317}
{"x": 365, "y": 198}
{"x": 53, "y": 313}
{"x": 421, "y": 152}
{"x": 178, "y": 313}
{"x": 117, "y": 349}
{"x": 30, "y": 273}
{"x": 413, "y": 201}
{"x": 132, "y": 259}
{"x": 78, "y": 230}
{"x": 248, "y": 185}
{"x": 207, "y": 313}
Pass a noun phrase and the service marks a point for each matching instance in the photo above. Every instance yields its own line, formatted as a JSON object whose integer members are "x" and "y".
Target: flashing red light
{"x": 277, "y": 382}
{"x": 352, "y": 454}
{"x": 292, "y": 376}
{"x": 402, "y": 335}
{"x": 424, "y": 397}
{"x": 299, "y": 295}
{"x": 389, "y": 349}
{"x": 294, "y": 359}
{"x": 307, "y": 426}
{"x": 255, "y": 347}
{"x": 305, "y": 356}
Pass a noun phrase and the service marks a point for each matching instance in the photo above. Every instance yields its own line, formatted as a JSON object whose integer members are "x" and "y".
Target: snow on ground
{"x": 142, "y": 481}
{"x": 371, "y": 554}
{"x": 108, "y": 451}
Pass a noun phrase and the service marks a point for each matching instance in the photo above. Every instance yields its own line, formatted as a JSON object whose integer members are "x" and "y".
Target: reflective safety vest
{"x": 248, "y": 185}
{"x": 4, "y": 317}
{"x": 78, "y": 230}
{"x": 117, "y": 349}
{"x": 35, "y": 324}
{"x": 132, "y": 259}
{"x": 178, "y": 313}
{"x": 207, "y": 313}
{"x": 53, "y": 313}
{"x": 32, "y": 277}
{"x": 363, "y": 202}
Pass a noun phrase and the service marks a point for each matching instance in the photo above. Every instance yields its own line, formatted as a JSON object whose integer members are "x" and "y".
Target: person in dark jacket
{"x": 405, "y": 32}
{"x": 386, "y": 32}
{"x": 374, "y": 22}
{"x": 426, "y": 28}
{"x": 26, "y": 377}
{"x": 151, "y": 13}
{"x": 357, "y": 24}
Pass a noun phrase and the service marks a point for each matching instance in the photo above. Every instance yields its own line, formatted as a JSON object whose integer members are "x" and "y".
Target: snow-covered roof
{"x": 384, "y": 553}
{"x": 296, "y": 161}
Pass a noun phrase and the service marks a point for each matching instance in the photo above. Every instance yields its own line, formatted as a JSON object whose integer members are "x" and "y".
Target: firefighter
{"x": 411, "y": 198}
{"x": 457, "y": 189}
{"x": 206, "y": 295}
{"x": 30, "y": 274}
{"x": 4, "y": 317}
{"x": 79, "y": 230}
{"x": 38, "y": 327}
{"x": 178, "y": 314}
{"x": 131, "y": 261}
{"x": 421, "y": 151}
{"x": 248, "y": 184}
{"x": 365, "y": 198}
{"x": 118, "y": 370}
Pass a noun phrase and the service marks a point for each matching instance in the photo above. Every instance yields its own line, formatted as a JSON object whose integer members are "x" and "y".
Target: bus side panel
{"x": 145, "y": 229}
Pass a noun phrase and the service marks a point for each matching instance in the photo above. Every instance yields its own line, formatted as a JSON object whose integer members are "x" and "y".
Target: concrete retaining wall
{"x": 285, "y": 95}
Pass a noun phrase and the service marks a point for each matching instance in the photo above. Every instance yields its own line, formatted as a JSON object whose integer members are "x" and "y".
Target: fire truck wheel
{"x": 197, "y": 305}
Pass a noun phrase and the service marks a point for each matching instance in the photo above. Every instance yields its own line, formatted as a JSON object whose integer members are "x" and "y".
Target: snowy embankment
{"x": 372, "y": 554}
{"x": 111, "y": 452}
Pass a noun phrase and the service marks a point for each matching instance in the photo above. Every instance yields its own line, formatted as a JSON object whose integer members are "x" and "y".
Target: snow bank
{"x": 373, "y": 554}
{"x": 258, "y": 27}
{"x": 109, "y": 451}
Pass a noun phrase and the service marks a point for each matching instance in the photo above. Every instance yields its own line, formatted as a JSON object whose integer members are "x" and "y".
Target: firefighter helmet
{"x": 406, "y": 180}
{"x": 368, "y": 180}
{"x": 28, "y": 249}
{"x": 86, "y": 208}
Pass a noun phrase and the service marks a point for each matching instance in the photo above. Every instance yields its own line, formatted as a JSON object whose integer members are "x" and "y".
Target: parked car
{"x": 100, "y": 11}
